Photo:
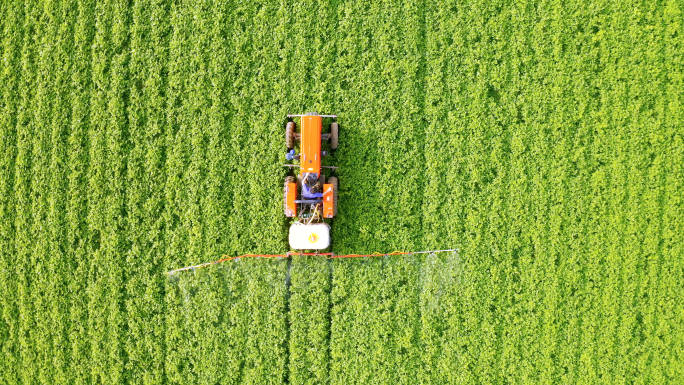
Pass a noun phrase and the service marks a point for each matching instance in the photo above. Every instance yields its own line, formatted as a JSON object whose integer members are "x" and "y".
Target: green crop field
{"x": 544, "y": 140}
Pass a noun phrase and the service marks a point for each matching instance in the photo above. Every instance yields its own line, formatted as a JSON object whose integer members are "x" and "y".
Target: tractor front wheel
{"x": 333, "y": 181}
{"x": 290, "y": 134}
{"x": 334, "y": 128}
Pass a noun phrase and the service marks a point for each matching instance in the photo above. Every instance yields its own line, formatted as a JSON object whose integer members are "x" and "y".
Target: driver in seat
{"x": 311, "y": 187}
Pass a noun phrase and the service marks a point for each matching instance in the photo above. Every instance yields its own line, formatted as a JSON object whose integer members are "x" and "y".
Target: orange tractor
{"x": 309, "y": 199}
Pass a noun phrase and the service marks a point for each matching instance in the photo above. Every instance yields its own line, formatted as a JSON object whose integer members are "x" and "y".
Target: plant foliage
{"x": 544, "y": 140}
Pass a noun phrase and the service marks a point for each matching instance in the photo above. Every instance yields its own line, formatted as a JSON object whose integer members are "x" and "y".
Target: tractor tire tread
{"x": 334, "y": 135}
{"x": 290, "y": 134}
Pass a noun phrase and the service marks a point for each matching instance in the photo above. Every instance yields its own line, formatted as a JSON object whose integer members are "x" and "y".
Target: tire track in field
{"x": 311, "y": 86}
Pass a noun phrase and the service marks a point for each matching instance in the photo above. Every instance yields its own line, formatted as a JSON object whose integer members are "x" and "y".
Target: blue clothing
{"x": 306, "y": 192}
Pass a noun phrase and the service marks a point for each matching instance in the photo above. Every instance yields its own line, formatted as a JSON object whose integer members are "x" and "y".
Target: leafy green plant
{"x": 543, "y": 141}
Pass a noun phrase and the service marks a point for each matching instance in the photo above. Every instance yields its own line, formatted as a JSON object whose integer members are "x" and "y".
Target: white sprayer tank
{"x": 309, "y": 237}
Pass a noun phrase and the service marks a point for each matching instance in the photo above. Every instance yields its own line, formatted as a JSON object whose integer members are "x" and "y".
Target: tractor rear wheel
{"x": 288, "y": 180}
{"x": 290, "y": 134}
{"x": 334, "y": 128}
{"x": 333, "y": 181}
